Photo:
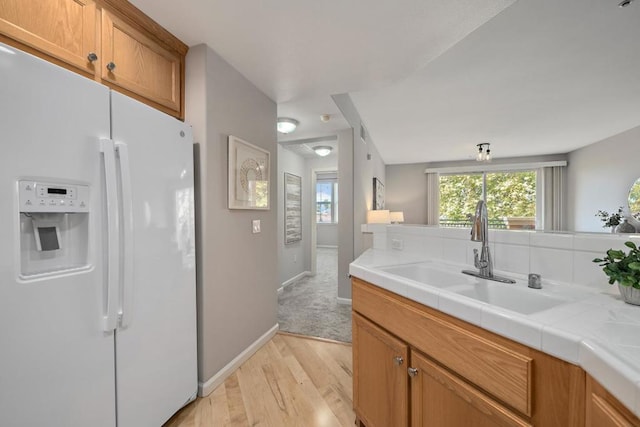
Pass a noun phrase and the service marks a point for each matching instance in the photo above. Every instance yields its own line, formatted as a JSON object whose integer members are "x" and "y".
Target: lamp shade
{"x": 380, "y": 216}
{"x": 397, "y": 216}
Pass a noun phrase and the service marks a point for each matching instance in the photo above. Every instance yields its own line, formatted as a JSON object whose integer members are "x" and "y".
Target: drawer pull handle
{"x": 92, "y": 57}
{"x": 412, "y": 372}
{"x": 111, "y": 66}
{"x": 398, "y": 360}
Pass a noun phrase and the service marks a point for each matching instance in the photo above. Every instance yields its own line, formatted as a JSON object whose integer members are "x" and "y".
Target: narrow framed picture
{"x": 378, "y": 194}
{"x": 292, "y": 208}
{"x": 249, "y": 170}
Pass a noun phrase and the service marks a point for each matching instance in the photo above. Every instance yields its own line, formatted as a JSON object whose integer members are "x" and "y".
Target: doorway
{"x": 309, "y": 306}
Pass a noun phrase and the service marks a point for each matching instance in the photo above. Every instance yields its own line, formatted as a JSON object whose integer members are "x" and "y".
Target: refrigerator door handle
{"x": 113, "y": 235}
{"x": 126, "y": 307}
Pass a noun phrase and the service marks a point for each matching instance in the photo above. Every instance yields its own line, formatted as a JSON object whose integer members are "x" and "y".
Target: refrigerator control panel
{"x": 38, "y": 196}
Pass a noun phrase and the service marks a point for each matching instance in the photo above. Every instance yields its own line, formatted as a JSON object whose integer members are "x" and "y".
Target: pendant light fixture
{"x": 484, "y": 152}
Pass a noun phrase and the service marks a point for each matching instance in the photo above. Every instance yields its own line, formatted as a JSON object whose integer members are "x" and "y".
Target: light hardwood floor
{"x": 291, "y": 381}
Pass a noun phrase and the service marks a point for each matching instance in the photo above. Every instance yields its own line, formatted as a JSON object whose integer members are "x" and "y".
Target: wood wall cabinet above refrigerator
{"x": 136, "y": 63}
{"x": 110, "y": 41}
{"x": 63, "y": 29}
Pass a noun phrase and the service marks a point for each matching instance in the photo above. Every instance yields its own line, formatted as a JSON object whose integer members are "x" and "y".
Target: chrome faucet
{"x": 480, "y": 233}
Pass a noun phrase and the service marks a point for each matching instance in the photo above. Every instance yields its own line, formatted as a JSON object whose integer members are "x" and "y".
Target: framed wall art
{"x": 378, "y": 194}
{"x": 292, "y": 208}
{"x": 249, "y": 170}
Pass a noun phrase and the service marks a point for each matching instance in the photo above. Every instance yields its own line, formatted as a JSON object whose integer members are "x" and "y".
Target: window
{"x": 511, "y": 199}
{"x": 327, "y": 201}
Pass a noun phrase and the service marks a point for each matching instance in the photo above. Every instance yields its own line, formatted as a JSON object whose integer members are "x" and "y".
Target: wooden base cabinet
{"x": 452, "y": 373}
{"x": 604, "y": 410}
{"x": 381, "y": 383}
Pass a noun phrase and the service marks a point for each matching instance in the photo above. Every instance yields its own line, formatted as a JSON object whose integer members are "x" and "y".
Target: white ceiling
{"x": 432, "y": 78}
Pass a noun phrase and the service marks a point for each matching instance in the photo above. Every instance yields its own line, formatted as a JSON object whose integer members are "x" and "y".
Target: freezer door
{"x": 156, "y": 342}
{"x": 56, "y": 362}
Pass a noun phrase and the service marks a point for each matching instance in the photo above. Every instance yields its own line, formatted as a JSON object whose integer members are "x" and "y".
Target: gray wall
{"x": 360, "y": 168}
{"x": 293, "y": 259}
{"x": 345, "y": 221}
{"x": 406, "y": 191}
{"x": 237, "y": 271}
{"x": 367, "y": 164}
{"x": 327, "y": 235}
{"x": 599, "y": 177}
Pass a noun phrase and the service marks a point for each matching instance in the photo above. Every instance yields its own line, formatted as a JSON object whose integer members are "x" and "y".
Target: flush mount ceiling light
{"x": 322, "y": 150}
{"x": 484, "y": 152}
{"x": 287, "y": 125}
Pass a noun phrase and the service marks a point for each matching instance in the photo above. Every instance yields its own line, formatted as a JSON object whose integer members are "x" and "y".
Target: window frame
{"x": 483, "y": 175}
{"x": 333, "y": 202}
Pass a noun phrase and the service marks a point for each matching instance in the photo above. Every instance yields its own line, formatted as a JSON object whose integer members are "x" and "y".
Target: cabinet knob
{"x": 398, "y": 360}
{"x": 92, "y": 57}
{"x": 412, "y": 372}
{"x": 111, "y": 66}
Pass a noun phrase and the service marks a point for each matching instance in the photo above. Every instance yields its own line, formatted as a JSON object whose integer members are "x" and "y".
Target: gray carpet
{"x": 310, "y": 307}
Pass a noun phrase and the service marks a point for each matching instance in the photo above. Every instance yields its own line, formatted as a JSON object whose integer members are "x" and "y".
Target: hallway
{"x": 310, "y": 306}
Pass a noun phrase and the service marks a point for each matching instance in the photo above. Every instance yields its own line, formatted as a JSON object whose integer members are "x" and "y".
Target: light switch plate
{"x": 255, "y": 226}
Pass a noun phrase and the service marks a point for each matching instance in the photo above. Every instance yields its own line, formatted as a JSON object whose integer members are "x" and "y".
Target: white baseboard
{"x": 293, "y": 280}
{"x": 204, "y": 389}
{"x": 344, "y": 301}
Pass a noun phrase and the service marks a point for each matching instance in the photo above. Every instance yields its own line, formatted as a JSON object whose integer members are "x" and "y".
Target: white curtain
{"x": 553, "y": 204}
{"x": 433, "y": 198}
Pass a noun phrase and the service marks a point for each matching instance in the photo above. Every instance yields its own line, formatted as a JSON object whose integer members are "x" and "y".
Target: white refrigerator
{"x": 97, "y": 253}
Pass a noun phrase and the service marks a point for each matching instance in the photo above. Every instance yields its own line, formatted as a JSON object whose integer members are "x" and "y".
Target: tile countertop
{"x": 600, "y": 332}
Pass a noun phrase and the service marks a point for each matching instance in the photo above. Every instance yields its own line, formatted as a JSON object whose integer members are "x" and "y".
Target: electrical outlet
{"x": 255, "y": 226}
{"x": 295, "y": 257}
{"x": 397, "y": 244}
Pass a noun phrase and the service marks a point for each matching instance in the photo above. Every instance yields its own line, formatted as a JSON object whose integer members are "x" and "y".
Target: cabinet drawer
{"x": 500, "y": 371}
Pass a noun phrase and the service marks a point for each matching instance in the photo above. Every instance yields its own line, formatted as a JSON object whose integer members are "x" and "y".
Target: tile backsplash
{"x": 561, "y": 257}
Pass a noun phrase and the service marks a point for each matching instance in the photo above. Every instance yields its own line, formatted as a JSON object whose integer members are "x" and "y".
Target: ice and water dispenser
{"x": 54, "y": 227}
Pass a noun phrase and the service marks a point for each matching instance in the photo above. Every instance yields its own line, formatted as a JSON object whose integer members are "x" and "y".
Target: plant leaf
{"x": 616, "y": 254}
{"x": 630, "y": 245}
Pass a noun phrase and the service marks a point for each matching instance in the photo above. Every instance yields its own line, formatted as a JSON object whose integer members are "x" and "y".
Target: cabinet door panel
{"x": 604, "y": 410}
{"x": 142, "y": 66}
{"x": 380, "y": 394}
{"x": 64, "y": 29}
{"x": 440, "y": 399}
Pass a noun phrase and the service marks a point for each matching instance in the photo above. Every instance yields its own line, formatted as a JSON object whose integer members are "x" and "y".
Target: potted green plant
{"x": 610, "y": 220}
{"x": 623, "y": 268}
